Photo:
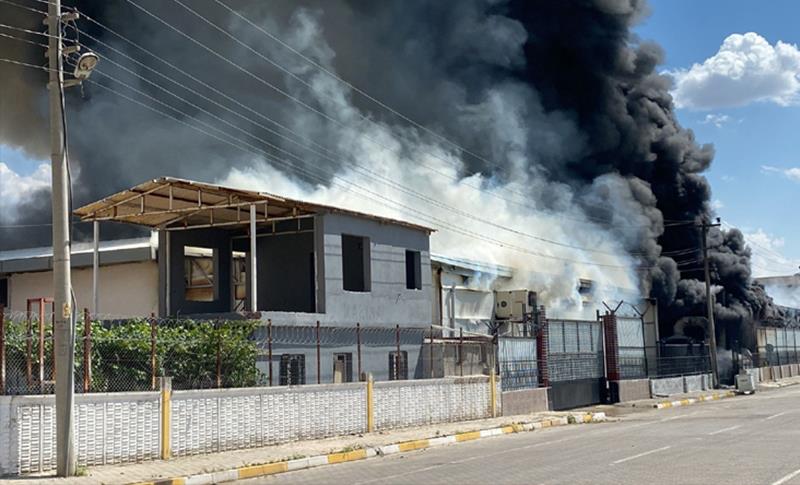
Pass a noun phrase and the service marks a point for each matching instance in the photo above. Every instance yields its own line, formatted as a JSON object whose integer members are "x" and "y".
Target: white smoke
{"x": 524, "y": 201}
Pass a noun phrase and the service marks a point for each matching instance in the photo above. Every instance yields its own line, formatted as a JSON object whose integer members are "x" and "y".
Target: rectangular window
{"x": 343, "y": 367}
{"x": 293, "y": 370}
{"x": 199, "y": 273}
{"x": 398, "y": 366}
{"x": 4, "y": 292}
{"x": 355, "y": 263}
{"x": 413, "y": 270}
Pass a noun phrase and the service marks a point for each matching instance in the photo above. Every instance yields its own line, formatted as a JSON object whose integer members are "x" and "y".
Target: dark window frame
{"x": 413, "y": 270}
{"x": 287, "y": 377}
{"x": 356, "y": 272}
{"x": 4, "y": 294}
{"x": 393, "y": 361}
{"x": 348, "y": 365}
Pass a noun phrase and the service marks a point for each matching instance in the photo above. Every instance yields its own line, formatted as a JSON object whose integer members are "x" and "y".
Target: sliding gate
{"x": 575, "y": 363}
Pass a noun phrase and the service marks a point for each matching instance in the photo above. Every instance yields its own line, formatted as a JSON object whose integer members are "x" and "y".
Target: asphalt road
{"x": 743, "y": 440}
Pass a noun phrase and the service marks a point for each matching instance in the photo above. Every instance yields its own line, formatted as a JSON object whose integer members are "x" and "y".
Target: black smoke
{"x": 597, "y": 114}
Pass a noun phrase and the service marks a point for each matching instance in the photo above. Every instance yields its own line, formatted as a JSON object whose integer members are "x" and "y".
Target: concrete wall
{"x": 388, "y": 302}
{"x": 693, "y": 383}
{"x": 126, "y": 427}
{"x": 525, "y": 401}
{"x": 633, "y": 389}
{"x": 109, "y": 429}
{"x": 666, "y": 386}
{"x": 137, "y": 281}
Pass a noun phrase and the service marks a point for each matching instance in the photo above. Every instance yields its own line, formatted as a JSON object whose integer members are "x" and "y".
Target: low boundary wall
{"x": 525, "y": 401}
{"x": 127, "y": 427}
{"x": 633, "y": 389}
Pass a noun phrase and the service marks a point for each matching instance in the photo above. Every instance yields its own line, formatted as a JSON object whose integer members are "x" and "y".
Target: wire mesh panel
{"x": 632, "y": 356}
{"x": 517, "y": 362}
{"x": 576, "y": 350}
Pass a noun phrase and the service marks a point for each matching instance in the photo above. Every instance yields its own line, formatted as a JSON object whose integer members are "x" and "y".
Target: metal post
{"x": 153, "y": 365}
{"x": 253, "y": 279}
{"x": 219, "y": 356}
{"x": 29, "y": 348}
{"x": 269, "y": 349}
{"x": 87, "y": 351}
{"x": 41, "y": 345}
{"x": 358, "y": 348}
{"x": 794, "y": 335}
{"x": 96, "y": 268}
{"x": 430, "y": 349}
{"x": 397, "y": 354}
{"x": 319, "y": 377}
{"x": 62, "y": 282}
{"x": 710, "y": 307}
{"x": 2, "y": 350}
{"x": 461, "y": 351}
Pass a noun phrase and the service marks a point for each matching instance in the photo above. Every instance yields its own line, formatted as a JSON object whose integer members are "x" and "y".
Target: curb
{"x": 687, "y": 402}
{"x": 254, "y": 471}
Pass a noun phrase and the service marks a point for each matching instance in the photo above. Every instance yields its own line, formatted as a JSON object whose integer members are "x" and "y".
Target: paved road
{"x": 746, "y": 440}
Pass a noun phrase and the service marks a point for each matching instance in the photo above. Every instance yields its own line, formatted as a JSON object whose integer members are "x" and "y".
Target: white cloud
{"x": 717, "y": 204}
{"x": 746, "y": 69}
{"x": 768, "y": 258}
{"x": 727, "y": 178}
{"x": 716, "y": 119}
{"x": 792, "y": 173}
{"x": 15, "y": 187}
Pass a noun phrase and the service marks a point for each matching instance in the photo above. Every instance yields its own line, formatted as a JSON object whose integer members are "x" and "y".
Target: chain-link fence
{"x": 575, "y": 350}
{"x": 116, "y": 354}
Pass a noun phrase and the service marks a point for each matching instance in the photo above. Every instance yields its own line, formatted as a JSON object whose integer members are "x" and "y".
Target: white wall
{"x": 127, "y": 289}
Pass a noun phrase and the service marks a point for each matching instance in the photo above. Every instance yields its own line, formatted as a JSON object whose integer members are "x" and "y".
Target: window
{"x": 343, "y": 367}
{"x": 3, "y": 292}
{"x": 293, "y": 370}
{"x": 398, "y": 366}
{"x": 355, "y": 263}
{"x": 199, "y": 271}
{"x": 239, "y": 281}
{"x": 413, "y": 270}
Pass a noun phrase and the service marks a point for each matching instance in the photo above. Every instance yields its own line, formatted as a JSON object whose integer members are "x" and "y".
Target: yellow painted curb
{"x": 347, "y": 456}
{"x": 167, "y": 481}
{"x": 412, "y": 445}
{"x": 473, "y": 435}
{"x": 261, "y": 470}
{"x": 510, "y": 429}
{"x": 587, "y": 418}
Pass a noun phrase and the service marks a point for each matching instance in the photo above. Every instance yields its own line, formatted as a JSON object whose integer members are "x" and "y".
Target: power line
{"x": 369, "y": 172}
{"x": 377, "y": 197}
{"x": 318, "y": 112}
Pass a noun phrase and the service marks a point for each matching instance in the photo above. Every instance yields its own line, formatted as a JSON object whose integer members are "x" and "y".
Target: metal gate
{"x": 575, "y": 363}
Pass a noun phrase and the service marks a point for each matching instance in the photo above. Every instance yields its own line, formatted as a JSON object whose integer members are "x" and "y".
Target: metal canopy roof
{"x": 172, "y": 203}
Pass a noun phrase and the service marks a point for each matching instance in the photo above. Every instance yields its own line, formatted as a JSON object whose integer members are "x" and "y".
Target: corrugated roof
{"x": 169, "y": 202}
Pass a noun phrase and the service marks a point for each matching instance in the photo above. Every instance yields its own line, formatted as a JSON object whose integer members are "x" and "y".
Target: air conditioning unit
{"x": 514, "y": 304}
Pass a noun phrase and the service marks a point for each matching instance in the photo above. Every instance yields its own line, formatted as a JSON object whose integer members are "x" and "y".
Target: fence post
{"x": 218, "y": 366}
{"x": 542, "y": 347}
{"x": 166, "y": 416}
{"x": 41, "y": 345}
{"x": 153, "y": 337}
{"x": 2, "y": 350}
{"x": 358, "y": 348}
{"x": 794, "y": 335}
{"x": 87, "y": 351}
{"x": 269, "y": 349}
{"x": 430, "y": 348}
{"x": 370, "y": 405}
{"x": 397, "y": 355}
{"x": 319, "y": 377}
{"x": 493, "y": 392}
{"x": 461, "y": 351}
{"x": 29, "y": 348}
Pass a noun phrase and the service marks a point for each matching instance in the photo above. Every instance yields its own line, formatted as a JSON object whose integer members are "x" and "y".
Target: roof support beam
{"x": 253, "y": 274}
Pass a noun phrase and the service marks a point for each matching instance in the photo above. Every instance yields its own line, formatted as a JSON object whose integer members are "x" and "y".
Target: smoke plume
{"x": 566, "y": 130}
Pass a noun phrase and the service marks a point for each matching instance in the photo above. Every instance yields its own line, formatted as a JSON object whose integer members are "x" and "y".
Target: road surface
{"x": 744, "y": 440}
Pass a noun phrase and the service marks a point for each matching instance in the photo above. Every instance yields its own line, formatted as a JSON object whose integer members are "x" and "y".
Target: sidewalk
{"x": 154, "y": 471}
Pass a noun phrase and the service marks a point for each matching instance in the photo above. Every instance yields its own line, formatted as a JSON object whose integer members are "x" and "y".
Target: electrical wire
{"x": 362, "y": 168}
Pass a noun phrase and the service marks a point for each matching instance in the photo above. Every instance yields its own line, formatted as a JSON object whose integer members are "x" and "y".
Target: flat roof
{"x": 173, "y": 203}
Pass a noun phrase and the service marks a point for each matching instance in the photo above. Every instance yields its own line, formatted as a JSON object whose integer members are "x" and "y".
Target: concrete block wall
{"x": 434, "y": 401}
{"x": 666, "y": 386}
{"x": 126, "y": 427}
{"x": 109, "y": 429}
{"x": 693, "y": 383}
{"x": 526, "y": 401}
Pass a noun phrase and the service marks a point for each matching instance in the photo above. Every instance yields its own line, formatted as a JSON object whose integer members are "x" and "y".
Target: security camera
{"x": 85, "y": 65}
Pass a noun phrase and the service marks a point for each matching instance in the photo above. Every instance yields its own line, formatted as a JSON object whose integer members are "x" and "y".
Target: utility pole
{"x": 709, "y": 302}
{"x": 62, "y": 284}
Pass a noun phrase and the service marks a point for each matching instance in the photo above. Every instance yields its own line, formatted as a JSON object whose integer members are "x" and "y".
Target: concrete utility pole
{"x": 709, "y": 303}
{"x": 62, "y": 284}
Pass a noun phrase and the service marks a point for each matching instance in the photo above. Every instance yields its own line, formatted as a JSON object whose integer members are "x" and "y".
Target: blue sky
{"x": 759, "y": 133}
